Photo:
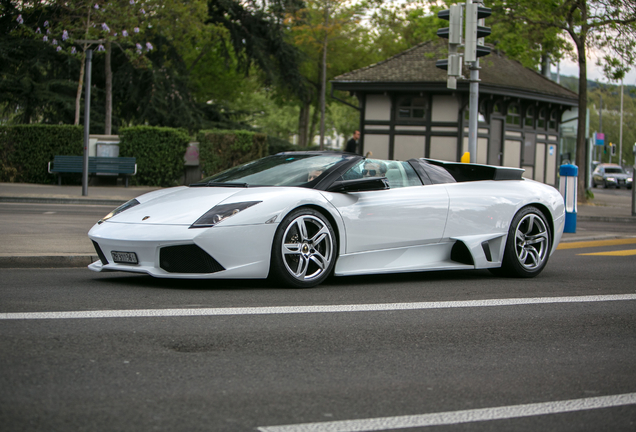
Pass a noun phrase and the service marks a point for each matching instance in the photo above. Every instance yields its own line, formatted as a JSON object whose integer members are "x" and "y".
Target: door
{"x": 393, "y": 218}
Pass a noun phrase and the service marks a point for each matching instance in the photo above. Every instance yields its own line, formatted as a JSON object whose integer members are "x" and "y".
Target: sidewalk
{"x": 53, "y": 194}
{"x": 609, "y": 213}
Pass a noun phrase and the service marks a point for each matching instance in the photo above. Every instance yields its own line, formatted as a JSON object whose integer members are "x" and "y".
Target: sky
{"x": 594, "y": 72}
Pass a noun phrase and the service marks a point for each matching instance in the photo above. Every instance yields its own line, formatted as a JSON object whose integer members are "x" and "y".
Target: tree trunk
{"x": 315, "y": 120}
{"x": 80, "y": 84}
{"x": 323, "y": 82}
{"x": 581, "y": 140}
{"x": 303, "y": 124}
{"x": 108, "y": 121}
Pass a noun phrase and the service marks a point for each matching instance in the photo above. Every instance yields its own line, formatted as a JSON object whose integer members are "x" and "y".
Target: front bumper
{"x": 241, "y": 252}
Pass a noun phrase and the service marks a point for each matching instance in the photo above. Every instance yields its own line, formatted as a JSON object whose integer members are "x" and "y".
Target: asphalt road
{"x": 230, "y": 369}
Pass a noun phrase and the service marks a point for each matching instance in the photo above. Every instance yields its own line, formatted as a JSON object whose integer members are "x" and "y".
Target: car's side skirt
{"x": 416, "y": 258}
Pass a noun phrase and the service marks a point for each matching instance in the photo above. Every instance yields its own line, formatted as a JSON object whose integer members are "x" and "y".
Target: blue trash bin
{"x": 567, "y": 187}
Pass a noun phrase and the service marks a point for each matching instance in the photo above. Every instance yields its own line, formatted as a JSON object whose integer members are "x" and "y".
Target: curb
{"x": 46, "y": 261}
{"x": 87, "y": 201}
{"x": 606, "y": 219}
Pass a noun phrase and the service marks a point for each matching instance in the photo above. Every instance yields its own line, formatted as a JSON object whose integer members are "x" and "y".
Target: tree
{"x": 604, "y": 25}
{"x": 60, "y": 23}
{"x": 332, "y": 44}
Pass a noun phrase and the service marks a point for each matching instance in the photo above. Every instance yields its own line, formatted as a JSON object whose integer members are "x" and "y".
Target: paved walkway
{"x": 609, "y": 206}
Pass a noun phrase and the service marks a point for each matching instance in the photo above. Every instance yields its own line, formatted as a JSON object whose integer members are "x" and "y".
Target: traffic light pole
{"x": 473, "y": 120}
{"x": 473, "y": 108}
{"x": 473, "y": 49}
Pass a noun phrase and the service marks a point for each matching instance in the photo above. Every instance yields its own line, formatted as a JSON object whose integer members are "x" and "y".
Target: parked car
{"x": 611, "y": 175}
{"x": 298, "y": 217}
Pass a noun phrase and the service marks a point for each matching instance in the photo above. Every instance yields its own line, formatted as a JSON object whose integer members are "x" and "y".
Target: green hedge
{"x": 222, "y": 149}
{"x": 159, "y": 152}
{"x": 25, "y": 150}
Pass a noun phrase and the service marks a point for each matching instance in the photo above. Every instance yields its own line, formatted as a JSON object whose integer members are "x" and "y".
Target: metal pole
{"x": 473, "y": 107}
{"x": 473, "y": 119}
{"x": 87, "y": 118}
{"x": 620, "y": 139}
{"x": 600, "y": 127}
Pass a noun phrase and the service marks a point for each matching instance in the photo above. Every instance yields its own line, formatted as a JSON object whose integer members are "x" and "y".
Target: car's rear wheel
{"x": 304, "y": 249}
{"x": 528, "y": 245}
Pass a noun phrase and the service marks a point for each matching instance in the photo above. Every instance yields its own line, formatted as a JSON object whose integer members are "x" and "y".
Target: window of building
{"x": 496, "y": 109}
{"x": 514, "y": 115}
{"x": 541, "y": 119}
{"x": 552, "y": 124}
{"x": 529, "y": 120}
{"x": 412, "y": 108}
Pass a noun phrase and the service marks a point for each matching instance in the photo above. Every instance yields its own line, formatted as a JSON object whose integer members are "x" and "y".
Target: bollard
{"x": 567, "y": 187}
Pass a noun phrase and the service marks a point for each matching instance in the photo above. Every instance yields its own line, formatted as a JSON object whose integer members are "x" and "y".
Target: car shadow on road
{"x": 145, "y": 281}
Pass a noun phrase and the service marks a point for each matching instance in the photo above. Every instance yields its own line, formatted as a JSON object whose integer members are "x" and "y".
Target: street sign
{"x": 600, "y": 139}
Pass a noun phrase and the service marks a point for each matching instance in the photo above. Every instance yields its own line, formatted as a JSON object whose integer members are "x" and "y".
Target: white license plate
{"x": 124, "y": 257}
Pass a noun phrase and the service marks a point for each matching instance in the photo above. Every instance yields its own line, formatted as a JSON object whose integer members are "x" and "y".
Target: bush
{"x": 159, "y": 152}
{"x": 220, "y": 150}
{"x": 278, "y": 145}
{"x": 25, "y": 150}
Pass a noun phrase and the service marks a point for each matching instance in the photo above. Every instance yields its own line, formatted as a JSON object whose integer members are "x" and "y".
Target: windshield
{"x": 278, "y": 170}
{"x": 617, "y": 170}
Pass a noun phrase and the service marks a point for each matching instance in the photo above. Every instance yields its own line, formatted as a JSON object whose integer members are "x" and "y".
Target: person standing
{"x": 352, "y": 144}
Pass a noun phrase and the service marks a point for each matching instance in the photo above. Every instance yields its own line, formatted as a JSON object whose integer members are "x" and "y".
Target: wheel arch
{"x": 332, "y": 220}
{"x": 546, "y": 212}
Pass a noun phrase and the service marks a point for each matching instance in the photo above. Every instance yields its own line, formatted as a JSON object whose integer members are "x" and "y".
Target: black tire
{"x": 528, "y": 245}
{"x": 304, "y": 250}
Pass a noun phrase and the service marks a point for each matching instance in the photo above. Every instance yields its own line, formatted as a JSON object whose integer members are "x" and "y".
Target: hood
{"x": 180, "y": 206}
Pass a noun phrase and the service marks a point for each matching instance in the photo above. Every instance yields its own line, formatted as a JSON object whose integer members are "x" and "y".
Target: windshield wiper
{"x": 219, "y": 184}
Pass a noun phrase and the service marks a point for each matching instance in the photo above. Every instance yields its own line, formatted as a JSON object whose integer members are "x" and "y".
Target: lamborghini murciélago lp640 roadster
{"x": 299, "y": 217}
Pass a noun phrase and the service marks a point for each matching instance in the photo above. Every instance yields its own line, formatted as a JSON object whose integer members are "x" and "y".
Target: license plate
{"x": 124, "y": 257}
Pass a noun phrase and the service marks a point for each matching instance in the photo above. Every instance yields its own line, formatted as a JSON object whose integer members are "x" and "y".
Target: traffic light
{"x": 613, "y": 151}
{"x": 473, "y": 50}
{"x": 453, "y": 64}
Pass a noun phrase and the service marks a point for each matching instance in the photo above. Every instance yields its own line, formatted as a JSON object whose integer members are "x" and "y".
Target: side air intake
{"x": 461, "y": 254}
{"x": 187, "y": 259}
{"x": 100, "y": 254}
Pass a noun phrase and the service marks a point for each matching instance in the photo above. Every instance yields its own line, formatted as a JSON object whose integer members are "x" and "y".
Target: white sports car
{"x": 299, "y": 217}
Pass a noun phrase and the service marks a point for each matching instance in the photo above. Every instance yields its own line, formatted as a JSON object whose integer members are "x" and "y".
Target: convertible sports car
{"x": 299, "y": 217}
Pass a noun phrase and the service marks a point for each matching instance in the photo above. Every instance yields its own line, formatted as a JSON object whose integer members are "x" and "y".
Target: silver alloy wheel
{"x": 307, "y": 248}
{"x": 531, "y": 241}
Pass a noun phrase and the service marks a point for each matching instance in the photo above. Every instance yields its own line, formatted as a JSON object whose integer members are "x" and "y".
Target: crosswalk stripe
{"x": 279, "y": 310}
{"x": 459, "y": 417}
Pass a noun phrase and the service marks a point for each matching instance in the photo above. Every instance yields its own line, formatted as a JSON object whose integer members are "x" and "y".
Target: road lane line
{"x": 457, "y": 417}
{"x": 595, "y": 243}
{"x": 628, "y": 252}
{"x": 277, "y": 310}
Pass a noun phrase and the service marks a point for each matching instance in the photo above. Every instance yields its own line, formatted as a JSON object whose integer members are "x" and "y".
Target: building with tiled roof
{"x": 407, "y": 111}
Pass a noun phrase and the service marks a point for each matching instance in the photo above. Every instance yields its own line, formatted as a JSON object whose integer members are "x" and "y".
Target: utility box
{"x": 568, "y": 187}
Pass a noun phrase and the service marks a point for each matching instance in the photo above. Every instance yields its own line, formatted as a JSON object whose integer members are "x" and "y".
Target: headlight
{"x": 121, "y": 208}
{"x": 220, "y": 213}
{"x": 629, "y": 179}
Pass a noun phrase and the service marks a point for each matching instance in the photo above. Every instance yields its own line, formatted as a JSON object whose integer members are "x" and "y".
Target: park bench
{"x": 125, "y": 166}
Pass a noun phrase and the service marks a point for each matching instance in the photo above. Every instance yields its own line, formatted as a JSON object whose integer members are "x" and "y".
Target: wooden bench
{"x": 125, "y": 166}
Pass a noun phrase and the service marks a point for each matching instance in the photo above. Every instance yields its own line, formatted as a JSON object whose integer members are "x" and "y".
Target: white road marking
{"x": 457, "y": 417}
{"x": 276, "y": 310}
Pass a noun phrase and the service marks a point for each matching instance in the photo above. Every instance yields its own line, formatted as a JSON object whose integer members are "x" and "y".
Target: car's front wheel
{"x": 304, "y": 249}
{"x": 528, "y": 245}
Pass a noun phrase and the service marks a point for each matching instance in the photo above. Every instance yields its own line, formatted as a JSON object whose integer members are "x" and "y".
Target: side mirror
{"x": 359, "y": 185}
